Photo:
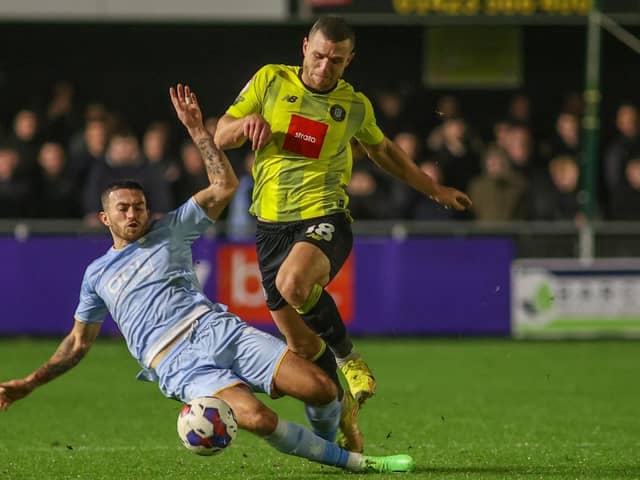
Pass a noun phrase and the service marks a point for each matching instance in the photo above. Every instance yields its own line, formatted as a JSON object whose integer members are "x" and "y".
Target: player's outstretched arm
{"x": 232, "y": 132}
{"x": 70, "y": 351}
{"x": 223, "y": 180}
{"x": 388, "y": 156}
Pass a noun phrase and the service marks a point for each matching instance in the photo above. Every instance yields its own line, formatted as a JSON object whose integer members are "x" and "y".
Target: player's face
{"x": 126, "y": 214}
{"x": 324, "y": 61}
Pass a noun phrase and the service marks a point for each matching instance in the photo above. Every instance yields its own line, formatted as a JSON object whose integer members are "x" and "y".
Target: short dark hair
{"x": 125, "y": 183}
{"x": 334, "y": 28}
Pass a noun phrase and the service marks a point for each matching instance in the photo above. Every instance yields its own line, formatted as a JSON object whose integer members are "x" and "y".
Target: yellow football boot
{"x": 362, "y": 384}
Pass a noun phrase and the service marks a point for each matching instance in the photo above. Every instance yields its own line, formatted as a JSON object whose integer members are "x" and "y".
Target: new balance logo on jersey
{"x": 305, "y": 136}
{"x": 290, "y": 98}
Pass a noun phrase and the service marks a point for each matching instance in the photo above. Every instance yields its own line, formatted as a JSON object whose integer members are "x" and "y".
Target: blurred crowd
{"x": 54, "y": 161}
{"x": 511, "y": 174}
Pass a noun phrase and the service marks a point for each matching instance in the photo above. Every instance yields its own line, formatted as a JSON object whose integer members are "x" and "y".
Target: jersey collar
{"x": 313, "y": 90}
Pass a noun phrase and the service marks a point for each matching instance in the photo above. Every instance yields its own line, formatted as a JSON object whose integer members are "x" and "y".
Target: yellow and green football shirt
{"x": 303, "y": 171}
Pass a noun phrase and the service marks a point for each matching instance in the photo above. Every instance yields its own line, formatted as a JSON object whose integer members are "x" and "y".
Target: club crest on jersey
{"x": 337, "y": 112}
{"x": 305, "y": 136}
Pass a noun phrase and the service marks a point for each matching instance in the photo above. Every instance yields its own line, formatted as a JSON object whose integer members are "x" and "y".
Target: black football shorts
{"x": 274, "y": 240}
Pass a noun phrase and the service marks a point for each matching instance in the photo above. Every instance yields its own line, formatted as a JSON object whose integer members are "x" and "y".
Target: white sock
{"x": 355, "y": 462}
{"x": 352, "y": 356}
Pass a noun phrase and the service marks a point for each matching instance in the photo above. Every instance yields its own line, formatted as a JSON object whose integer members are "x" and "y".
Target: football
{"x": 206, "y": 425}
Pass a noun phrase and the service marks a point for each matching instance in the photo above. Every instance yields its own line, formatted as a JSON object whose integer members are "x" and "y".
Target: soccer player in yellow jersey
{"x": 300, "y": 121}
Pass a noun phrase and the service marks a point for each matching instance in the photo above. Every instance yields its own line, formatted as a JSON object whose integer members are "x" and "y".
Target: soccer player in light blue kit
{"x": 191, "y": 346}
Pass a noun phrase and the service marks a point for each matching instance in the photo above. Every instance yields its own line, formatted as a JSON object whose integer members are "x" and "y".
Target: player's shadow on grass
{"x": 584, "y": 471}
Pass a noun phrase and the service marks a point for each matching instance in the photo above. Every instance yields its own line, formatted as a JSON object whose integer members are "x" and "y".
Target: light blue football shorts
{"x": 219, "y": 351}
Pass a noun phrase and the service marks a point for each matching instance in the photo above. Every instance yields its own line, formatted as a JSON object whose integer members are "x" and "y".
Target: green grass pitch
{"x": 481, "y": 409}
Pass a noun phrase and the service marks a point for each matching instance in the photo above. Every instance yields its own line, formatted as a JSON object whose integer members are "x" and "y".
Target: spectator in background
{"x": 367, "y": 200}
{"x": 410, "y": 144}
{"x": 423, "y": 208}
{"x": 565, "y": 140}
{"x": 155, "y": 147}
{"x": 556, "y": 197}
{"x": 400, "y": 195}
{"x": 501, "y": 133}
{"x": 91, "y": 153}
{"x": 389, "y": 108}
{"x": 124, "y": 160}
{"x": 62, "y": 119}
{"x": 93, "y": 111}
{"x": 573, "y": 104}
{"x": 369, "y": 197}
{"x": 56, "y": 193}
{"x": 459, "y": 153}
{"x": 499, "y": 193}
{"x": 624, "y": 146}
{"x": 193, "y": 175}
{"x": 519, "y": 110}
{"x": 14, "y": 191}
{"x": 625, "y": 200}
{"x": 24, "y": 139}
{"x": 447, "y": 107}
{"x": 518, "y": 145}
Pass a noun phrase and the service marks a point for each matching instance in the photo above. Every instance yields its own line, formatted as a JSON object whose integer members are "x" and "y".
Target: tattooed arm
{"x": 223, "y": 180}
{"x": 70, "y": 351}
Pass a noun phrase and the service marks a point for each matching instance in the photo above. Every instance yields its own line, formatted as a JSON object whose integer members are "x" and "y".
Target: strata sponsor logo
{"x": 305, "y": 136}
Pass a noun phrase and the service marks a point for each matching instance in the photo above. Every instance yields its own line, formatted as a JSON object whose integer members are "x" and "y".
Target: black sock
{"x": 324, "y": 319}
{"x": 327, "y": 362}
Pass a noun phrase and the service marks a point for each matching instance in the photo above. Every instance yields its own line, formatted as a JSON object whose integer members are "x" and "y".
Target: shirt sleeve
{"x": 250, "y": 99}
{"x": 369, "y": 132}
{"x": 189, "y": 221}
{"x": 91, "y": 308}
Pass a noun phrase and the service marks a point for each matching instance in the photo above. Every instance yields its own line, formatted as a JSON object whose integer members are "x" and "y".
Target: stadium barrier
{"x": 403, "y": 278}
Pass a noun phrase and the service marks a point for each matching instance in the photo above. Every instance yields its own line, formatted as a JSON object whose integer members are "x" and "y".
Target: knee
{"x": 261, "y": 421}
{"x": 292, "y": 288}
{"x": 325, "y": 390}
{"x": 307, "y": 347}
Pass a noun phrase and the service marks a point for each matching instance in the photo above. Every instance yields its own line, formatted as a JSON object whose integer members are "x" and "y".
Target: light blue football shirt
{"x": 150, "y": 287}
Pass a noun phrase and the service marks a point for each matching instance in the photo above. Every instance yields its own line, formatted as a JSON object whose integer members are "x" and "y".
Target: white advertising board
{"x": 553, "y": 298}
